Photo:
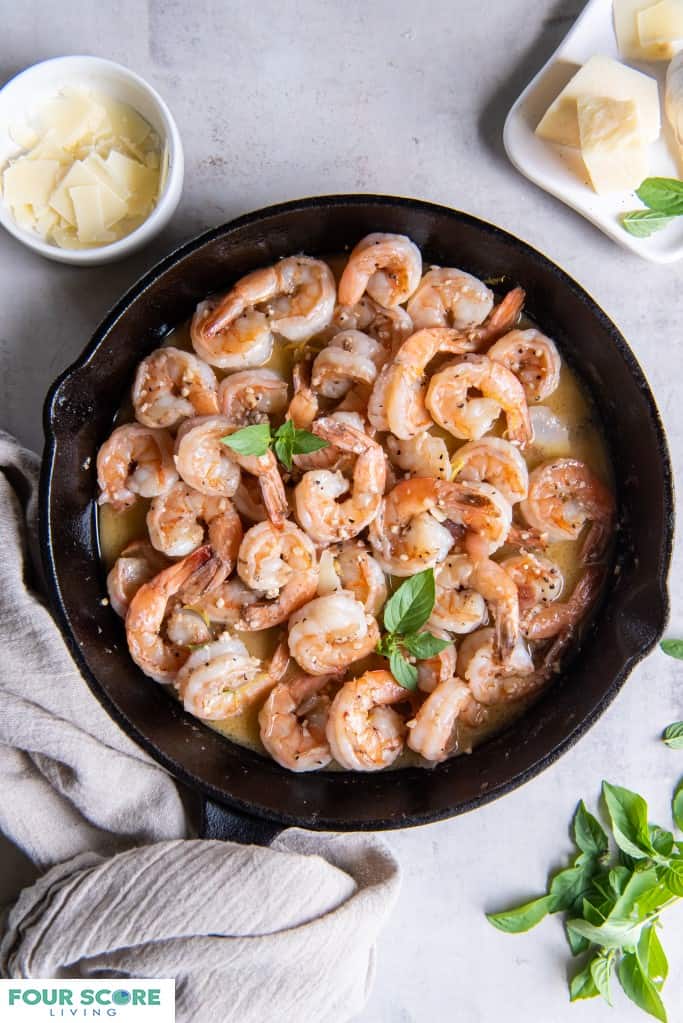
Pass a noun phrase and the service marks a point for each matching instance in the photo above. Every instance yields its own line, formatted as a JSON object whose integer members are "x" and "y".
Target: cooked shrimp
{"x": 458, "y": 607}
{"x": 303, "y": 408}
{"x": 538, "y": 579}
{"x": 361, "y": 574}
{"x": 317, "y": 509}
{"x": 179, "y": 521}
{"x": 329, "y": 633}
{"x": 248, "y": 500}
{"x": 221, "y": 679}
{"x": 545, "y": 621}
{"x": 137, "y": 563}
{"x": 448, "y": 297}
{"x": 390, "y": 327}
{"x": 202, "y": 461}
{"x": 500, "y": 321}
{"x": 136, "y": 461}
{"x": 292, "y": 722}
{"x": 435, "y": 669}
{"x": 533, "y": 358}
{"x": 223, "y": 603}
{"x": 332, "y": 457}
{"x": 471, "y": 417}
{"x": 406, "y": 536}
{"x": 188, "y": 626}
{"x": 397, "y": 402}
{"x": 500, "y": 593}
{"x": 156, "y": 656}
{"x": 281, "y": 564}
{"x": 294, "y": 298}
{"x": 238, "y": 339}
{"x": 211, "y": 467}
{"x": 364, "y": 732}
{"x": 432, "y": 732}
{"x": 495, "y": 461}
{"x": 351, "y": 357}
{"x": 172, "y": 385}
{"x": 491, "y": 681}
{"x": 250, "y": 396}
{"x": 387, "y": 266}
{"x": 422, "y": 455}
{"x": 563, "y": 496}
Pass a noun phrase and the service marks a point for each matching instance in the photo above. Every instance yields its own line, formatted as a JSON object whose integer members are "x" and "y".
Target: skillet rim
{"x": 132, "y": 295}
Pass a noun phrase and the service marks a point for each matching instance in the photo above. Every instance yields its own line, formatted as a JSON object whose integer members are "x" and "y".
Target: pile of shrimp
{"x": 421, "y": 385}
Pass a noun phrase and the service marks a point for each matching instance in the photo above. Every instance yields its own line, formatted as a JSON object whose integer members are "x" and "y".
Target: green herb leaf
{"x": 662, "y": 194}
{"x": 410, "y": 606}
{"x": 577, "y": 942}
{"x": 588, "y": 833}
{"x": 673, "y": 647}
{"x": 652, "y": 957}
{"x": 305, "y": 442}
{"x": 283, "y": 443}
{"x": 677, "y": 805}
{"x": 643, "y": 893}
{"x": 252, "y": 440}
{"x": 628, "y": 814}
{"x": 582, "y": 985}
{"x": 673, "y": 735}
{"x": 569, "y": 886}
{"x": 601, "y": 972}
{"x": 618, "y": 879}
{"x": 386, "y": 645}
{"x": 423, "y": 645}
{"x": 673, "y": 877}
{"x": 643, "y": 223}
{"x": 610, "y": 934}
{"x": 662, "y": 841}
{"x": 404, "y": 672}
{"x": 639, "y": 988}
{"x": 522, "y": 918}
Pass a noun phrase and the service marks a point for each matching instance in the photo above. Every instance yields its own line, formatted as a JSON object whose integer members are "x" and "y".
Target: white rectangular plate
{"x": 559, "y": 169}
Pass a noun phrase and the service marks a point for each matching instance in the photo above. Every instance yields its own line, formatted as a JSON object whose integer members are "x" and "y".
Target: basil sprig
{"x": 612, "y": 899}
{"x": 664, "y": 200}
{"x": 406, "y": 611}
{"x": 286, "y": 442}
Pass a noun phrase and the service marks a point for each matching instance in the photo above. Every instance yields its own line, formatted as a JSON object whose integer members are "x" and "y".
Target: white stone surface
{"x": 279, "y": 100}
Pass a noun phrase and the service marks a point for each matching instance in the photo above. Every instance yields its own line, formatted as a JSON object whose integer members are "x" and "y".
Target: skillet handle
{"x": 218, "y": 822}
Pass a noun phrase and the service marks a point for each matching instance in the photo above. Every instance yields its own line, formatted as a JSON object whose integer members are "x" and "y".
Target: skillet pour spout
{"x": 79, "y": 411}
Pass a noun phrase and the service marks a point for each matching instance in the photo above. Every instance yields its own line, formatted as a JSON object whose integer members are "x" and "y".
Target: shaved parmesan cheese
{"x": 29, "y": 181}
{"x": 611, "y": 144}
{"x": 90, "y": 174}
{"x": 641, "y": 40}
{"x": 607, "y": 78}
{"x": 662, "y": 23}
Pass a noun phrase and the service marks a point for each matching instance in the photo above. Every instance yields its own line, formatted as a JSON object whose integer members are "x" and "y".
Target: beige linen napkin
{"x": 249, "y": 933}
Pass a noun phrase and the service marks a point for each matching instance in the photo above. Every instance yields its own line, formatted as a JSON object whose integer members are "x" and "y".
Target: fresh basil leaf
{"x": 404, "y": 672}
{"x": 305, "y": 442}
{"x": 628, "y": 814}
{"x": 410, "y": 606}
{"x": 423, "y": 645}
{"x": 386, "y": 645}
{"x": 673, "y": 647}
{"x": 652, "y": 957}
{"x": 283, "y": 444}
{"x": 677, "y": 805}
{"x": 642, "y": 888}
{"x": 589, "y": 834}
{"x": 610, "y": 933}
{"x": 601, "y": 972}
{"x": 673, "y": 877}
{"x": 618, "y": 879}
{"x": 665, "y": 195}
{"x": 593, "y": 913}
{"x": 522, "y": 918}
{"x": 252, "y": 440}
{"x": 582, "y": 985}
{"x": 568, "y": 887}
{"x": 673, "y": 735}
{"x": 639, "y": 988}
{"x": 662, "y": 841}
{"x": 643, "y": 223}
{"x": 577, "y": 943}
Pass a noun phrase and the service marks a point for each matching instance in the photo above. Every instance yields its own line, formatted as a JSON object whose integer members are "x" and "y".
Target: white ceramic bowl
{"x": 39, "y": 83}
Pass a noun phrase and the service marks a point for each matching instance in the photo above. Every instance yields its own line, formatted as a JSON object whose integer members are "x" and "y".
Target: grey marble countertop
{"x": 276, "y": 101}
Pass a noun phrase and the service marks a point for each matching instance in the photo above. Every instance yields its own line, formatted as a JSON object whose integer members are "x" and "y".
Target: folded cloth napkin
{"x": 249, "y": 933}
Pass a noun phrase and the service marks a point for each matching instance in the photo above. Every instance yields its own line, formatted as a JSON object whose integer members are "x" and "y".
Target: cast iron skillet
{"x": 260, "y": 795}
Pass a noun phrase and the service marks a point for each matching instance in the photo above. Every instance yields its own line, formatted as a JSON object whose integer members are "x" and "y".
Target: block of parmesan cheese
{"x": 660, "y": 24}
{"x": 607, "y": 78}
{"x": 611, "y": 144}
